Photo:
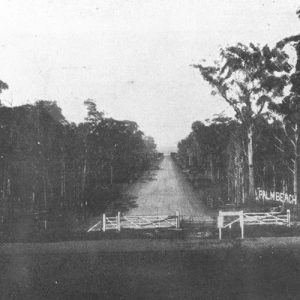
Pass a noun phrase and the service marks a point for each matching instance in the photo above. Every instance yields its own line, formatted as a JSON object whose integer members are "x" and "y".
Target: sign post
{"x": 119, "y": 221}
{"x": 220, "y": 225}
{"x": 238, "y": 217}
{"x": 177, "y": 219}
{"x": 242, "y": 223}
{"x": 104, "y": 223}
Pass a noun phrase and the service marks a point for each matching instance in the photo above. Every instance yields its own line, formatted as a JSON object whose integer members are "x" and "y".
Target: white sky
{"x": 131, "y": 57}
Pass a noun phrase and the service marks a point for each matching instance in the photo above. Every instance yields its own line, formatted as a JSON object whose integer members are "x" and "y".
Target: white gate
{"x": 136, "y": 222}
{"x": 227, "y": 218}
{"x": 144, "y": 222}
{"x": 267, "y": 218}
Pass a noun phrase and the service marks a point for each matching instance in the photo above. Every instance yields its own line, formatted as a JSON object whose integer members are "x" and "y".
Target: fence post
{"x": 220, "y": 233}
{"x": 220, "y": 224}
{"x": 177, "y": 219}
{"x": 119, "y": 221}
{"x": 104, "y": 223}
{"x": 288, "y": 216}
{"x": 242, "y": 223}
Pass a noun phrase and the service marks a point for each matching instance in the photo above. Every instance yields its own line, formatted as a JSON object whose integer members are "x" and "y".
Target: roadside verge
{"x": 147, "y": 245}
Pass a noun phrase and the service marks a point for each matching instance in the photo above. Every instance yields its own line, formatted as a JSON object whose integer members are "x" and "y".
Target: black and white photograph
{"x": 149, "y": 149}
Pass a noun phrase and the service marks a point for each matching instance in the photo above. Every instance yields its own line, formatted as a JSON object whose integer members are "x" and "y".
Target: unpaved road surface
{"x": 166, "y": 191}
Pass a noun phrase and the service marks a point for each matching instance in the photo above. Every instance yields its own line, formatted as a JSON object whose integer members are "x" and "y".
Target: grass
{"x": 232, "y": 273}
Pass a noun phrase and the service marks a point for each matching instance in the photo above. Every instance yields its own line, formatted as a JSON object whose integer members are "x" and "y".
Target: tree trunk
{"x": 242, "y": 187}
{"x": 250, "y": 164}
{"x": 84, "y": 171}
{"x": 264, "y": 177}
{"x": 235, "y": 187}
{"x": 32, "y": 202}
{"x": 296, "y": 164}
{"x": 111, "y": 174}
{"x": 228, "y": 189}
{"x": 45, "y": 192}
{"x": 274, "y": 178}
{"x": 212, "y": 175}
{"x": 10, "y": 200}
{"x": 63, "y": 184}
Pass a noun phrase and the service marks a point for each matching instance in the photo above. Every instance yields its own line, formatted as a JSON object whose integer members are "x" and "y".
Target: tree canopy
{"x": 247, "y": 78}
{"x": 3, "y": 86}
{"x": 47, "y": 163}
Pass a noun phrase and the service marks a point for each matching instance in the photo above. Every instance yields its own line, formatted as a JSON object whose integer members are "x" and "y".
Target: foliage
{"x": 47, "y": 163}
{"x": 3, "y": 86}
{"x": 247, "y": 78}
{"x": 216, "y": 151}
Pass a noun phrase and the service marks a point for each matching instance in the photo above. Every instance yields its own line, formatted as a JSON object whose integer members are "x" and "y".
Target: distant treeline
{"x": 217, "y": 150}
{"x": 50, "y": 164}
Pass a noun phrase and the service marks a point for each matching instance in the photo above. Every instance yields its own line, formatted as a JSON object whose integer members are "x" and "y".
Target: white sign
{"x": 276, "y": 196}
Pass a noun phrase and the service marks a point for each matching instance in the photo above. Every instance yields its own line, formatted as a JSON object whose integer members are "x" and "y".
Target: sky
{"x": 132, "y": 57}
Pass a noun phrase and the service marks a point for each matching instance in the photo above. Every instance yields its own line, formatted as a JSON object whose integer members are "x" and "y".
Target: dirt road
{"x": 165, "y": 191}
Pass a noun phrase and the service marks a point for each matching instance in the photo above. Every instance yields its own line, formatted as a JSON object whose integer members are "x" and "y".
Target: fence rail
{"x": 267, "y": 219}
{"x": 227, "y": 219}
{"x": 136, "y": 222}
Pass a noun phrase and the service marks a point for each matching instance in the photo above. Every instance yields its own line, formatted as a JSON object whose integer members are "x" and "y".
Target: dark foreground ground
{"x": 265, "y": 268}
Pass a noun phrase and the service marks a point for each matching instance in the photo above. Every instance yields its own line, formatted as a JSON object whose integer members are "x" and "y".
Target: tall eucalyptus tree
{"x": 289, "y": 109}
{"x": 247, "y": 78}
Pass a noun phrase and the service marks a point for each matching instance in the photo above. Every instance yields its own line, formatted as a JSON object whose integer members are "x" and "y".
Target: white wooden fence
{"x": 228, "y": 218}
{"x": 136, "y": 222}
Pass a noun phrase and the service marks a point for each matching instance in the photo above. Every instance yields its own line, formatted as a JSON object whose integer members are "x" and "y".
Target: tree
{"x": 295, "y": 41}
{"x": 289, "y": 109}
{"x": 247, "y": 78}
{"x": 47, "y": 163}
{"x": 3, "y": 86}
{"x": 94, "y": 116}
